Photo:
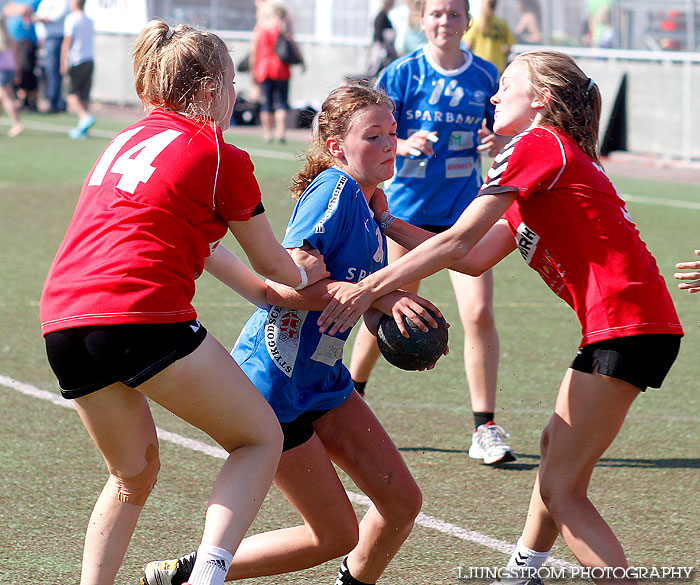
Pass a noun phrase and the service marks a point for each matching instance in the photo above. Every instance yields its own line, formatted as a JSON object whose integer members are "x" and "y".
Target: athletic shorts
{"x": 80, "y": 80}
{"x": 300, "y": 430}
{"x": 26, "y": 64}
{"x": 86, "y": 359}
{"x": 640, "y": 360}
{"x": 436, "y": 229}
{"x": 7, "y": 78}
{"x": 275, "y": 93}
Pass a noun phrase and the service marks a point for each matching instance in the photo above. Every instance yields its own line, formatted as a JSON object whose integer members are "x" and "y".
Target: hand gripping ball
{"x": 415, "y": 352}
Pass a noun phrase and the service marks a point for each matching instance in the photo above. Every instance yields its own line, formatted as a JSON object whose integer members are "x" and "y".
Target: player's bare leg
{"x": 267, "y": 119}
{"x": 310, "y": 483}
{"x": 569, "y": 454}
{"x": 383, "y": 476}
{"x": 233, "y": 413}
{"x": 229, "y": 409}
{"x": 481, "y": 347}
{"x": 105, "y": 414}
{"x": 481, "y": 356}
{"x": 281, "y": 125}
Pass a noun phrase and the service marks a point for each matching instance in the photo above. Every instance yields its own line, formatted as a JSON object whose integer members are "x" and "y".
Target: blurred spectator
{"x": 600, "y": 30}
{"x": 269, "y": 72}
{"x": 489, "y": 37}
{"x": 8, "y": 66}
{"x": 409, "y": 34}
{"x": 51, "y": 14}
{"x": 383, "y": 49}
{"x": 528, "y": 30}
{"x": 77, "y": 62}
{"x": 20, "y": 27}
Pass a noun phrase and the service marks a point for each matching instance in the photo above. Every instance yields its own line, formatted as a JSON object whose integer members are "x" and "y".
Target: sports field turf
{"x": 646, "y": 486}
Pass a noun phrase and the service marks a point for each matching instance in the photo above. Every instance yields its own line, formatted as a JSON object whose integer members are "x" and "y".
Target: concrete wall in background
{"x": 657, "y": 120}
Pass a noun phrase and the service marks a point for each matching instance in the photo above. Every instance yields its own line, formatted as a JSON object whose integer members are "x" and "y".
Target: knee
{"x": 559, "y": 488}
{"x": 337, "y": 540}
{"x": 478, "y": 316}
{"x": 404, "y": 507}
{"x": 136, "y": 489}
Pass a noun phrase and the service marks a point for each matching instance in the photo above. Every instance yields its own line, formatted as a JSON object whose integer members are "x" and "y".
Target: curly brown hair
{"x": 334, "y": 119}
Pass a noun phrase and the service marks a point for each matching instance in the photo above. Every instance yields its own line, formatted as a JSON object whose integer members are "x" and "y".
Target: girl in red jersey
{"x": 116, "y": 308}
{"x": 547, "y": 195}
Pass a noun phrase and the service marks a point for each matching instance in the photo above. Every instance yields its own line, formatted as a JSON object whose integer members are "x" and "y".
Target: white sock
{"x": 525, "y": 563}
{"x": 211, "y": 566}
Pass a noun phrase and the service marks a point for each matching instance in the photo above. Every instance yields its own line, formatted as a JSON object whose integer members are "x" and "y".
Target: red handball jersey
{"x": 154, "y": 206}
{"x": 572, "y": 227}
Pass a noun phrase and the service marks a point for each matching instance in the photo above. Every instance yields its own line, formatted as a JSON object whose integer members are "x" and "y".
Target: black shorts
{"x": 640, "y": 360}
{"x": 275, "y": 94}
{"x": 86, "y": 359}
{"x": 80, "y": 80}
{"x": 26, "y": 64}
{"x": 300, "y": 430}
{"x": 436, "y": 229}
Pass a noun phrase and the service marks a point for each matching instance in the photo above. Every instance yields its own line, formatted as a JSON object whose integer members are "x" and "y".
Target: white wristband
{"x": 385, "y": 220}
{"x": 304, "y": 278}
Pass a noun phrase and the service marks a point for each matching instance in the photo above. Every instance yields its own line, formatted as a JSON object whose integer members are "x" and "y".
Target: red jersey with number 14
{"x": 572, "y": 227}
{"x": 154, "y": 206}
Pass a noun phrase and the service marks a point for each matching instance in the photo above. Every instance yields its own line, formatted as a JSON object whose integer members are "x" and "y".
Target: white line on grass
{"x": 422, "y": 520}
{"x": 280, "y": 155}
{"x": 659, "y": 201}
{"x": 109, "y": 134}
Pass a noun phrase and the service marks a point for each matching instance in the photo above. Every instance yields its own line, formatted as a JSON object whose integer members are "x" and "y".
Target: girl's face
{"x": 516, "y": 104}
{"x": 368, "y": 149}
{"x": 222, "y": 108}
{"x": 444, "y": 22}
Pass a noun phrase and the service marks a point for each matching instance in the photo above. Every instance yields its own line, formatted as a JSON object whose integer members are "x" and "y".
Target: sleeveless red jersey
{"x": 572, "y": 227}
{"x": 153, "y": 207}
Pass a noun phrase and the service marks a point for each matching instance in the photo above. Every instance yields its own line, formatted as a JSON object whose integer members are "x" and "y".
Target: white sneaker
{"x": 488, "y": 444}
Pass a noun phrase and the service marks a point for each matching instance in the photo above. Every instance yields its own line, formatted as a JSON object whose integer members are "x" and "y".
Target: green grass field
{"x": 646, "y": 485}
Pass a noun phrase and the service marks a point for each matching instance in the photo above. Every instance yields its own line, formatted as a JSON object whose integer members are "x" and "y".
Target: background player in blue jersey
{"x": 301, "y": 374}
{"x": 443, "y": 112}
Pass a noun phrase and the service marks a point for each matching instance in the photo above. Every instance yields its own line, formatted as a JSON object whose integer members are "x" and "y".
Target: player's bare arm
{"x": 269, "y": 258}
{"x": 226, "y": 267}
{"x": 694, "y": 276}
{"x": 435, "y": 253}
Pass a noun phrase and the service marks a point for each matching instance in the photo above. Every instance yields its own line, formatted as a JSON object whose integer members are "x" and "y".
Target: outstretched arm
{"x": 694, "y": 286}
{"x": 269, "y": 258}
{"x": 489, "y": 251}
{"x": 227, "y": 268}
{"x": 317, "y": 296}
{"x": 437, "y": 252}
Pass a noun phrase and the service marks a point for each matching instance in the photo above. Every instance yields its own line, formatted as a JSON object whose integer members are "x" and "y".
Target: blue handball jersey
{"x": 435, "y": 190}
{"x": 281, "y": 350}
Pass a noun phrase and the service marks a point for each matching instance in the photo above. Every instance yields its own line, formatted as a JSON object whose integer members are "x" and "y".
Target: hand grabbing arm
{"x": 227, "y": 268}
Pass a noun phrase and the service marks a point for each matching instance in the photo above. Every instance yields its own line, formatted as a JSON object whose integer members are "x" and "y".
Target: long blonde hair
{"x": 334, "y": 119}
{"x": 574, "y": 106}
{"x": 173, "y": 67}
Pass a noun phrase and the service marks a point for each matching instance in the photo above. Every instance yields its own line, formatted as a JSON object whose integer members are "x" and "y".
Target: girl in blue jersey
{"x": 301, "y": 374}
{"x": 443, "y": 111}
